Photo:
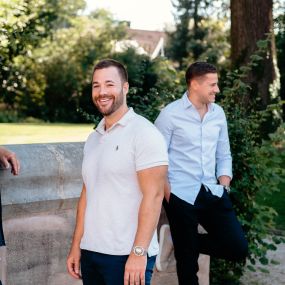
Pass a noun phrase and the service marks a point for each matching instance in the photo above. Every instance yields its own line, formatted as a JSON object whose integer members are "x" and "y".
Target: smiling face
{"x": 108, "y": 90}
{"x": 206, "y": 88}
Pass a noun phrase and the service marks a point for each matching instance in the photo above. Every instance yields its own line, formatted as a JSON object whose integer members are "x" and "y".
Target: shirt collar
{"x": 187, "y": 103}
{"x": 123, "y": 121}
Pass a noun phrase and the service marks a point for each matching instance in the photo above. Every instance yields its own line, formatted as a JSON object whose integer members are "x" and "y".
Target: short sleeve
{"x": 150, "y": 148}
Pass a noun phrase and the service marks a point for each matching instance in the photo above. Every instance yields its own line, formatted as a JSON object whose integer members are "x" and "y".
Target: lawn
{"x": 13, "y": 133}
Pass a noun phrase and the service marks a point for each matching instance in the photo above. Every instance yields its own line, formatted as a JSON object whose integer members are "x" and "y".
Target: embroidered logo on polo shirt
{"x": 117, "y": 147}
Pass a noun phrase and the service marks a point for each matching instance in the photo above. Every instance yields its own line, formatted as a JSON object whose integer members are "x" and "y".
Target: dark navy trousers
{"x": 104, "y": 269}
{"x": 225, "y": 238}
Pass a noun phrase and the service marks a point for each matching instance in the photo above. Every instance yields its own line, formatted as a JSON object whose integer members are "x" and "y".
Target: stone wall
{"x": 39, "y": 208}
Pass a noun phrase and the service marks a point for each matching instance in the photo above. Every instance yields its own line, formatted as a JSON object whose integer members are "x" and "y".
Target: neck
{"x": 115, "y": 117}
{"x": 198, "y": 105}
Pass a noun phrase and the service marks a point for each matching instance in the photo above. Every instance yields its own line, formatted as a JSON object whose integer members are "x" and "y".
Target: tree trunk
{"x": 251, "y": 21}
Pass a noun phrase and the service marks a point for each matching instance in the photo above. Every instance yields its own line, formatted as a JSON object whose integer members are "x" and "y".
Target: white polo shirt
{"x": 110, "y": 164}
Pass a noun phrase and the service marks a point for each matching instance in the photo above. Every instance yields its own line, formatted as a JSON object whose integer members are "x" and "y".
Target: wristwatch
{"x": 139, "y": 251}
{"x": 228, "y": 188}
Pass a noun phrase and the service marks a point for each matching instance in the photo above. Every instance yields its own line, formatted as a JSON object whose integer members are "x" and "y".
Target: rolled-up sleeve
{"x": 223, "y": 152}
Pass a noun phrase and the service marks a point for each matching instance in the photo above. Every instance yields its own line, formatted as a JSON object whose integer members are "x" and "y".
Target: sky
{"x": 143, "y": 14}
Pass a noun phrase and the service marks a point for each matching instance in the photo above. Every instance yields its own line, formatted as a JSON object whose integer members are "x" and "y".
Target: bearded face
{"x": 108, "y": 90}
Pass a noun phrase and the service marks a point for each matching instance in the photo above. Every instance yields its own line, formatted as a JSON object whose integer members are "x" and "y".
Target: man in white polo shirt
{"x": 124, "y": 167}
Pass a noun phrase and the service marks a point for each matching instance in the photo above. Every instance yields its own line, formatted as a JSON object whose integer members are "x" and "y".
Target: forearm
{"x": 73, "y": 259}
{"x": 152, "y": 183}
{"x": 79, "y": 227}
{"x": 148, "y": 217}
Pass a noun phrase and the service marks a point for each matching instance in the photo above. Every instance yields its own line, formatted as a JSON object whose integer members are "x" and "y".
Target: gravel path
{"x": 276, "y": 275}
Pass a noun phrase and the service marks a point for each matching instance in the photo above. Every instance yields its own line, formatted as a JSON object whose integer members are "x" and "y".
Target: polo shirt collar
{"x": 123, "y": 121}
{"x": 187, "y": 103}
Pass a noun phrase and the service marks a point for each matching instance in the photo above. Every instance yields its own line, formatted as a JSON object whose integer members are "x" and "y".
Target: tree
{"x": 251, "y": 21}
{"x": 280, "y": 43}
{"x": 258, "y": 170}
{"x": 23, "y": 24}
{"x": 68, "y": 60}
{"x": 188, "y": 36}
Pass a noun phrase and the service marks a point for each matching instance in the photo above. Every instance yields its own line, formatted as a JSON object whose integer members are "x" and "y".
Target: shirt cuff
{"x": 224, "y": 171}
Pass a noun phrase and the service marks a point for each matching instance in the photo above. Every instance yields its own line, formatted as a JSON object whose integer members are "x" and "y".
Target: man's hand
{"x": 8, "y": 158}
{"x": 73, "y": 262}
{"x": 224, "y": 180}
{"x": 135, "y": 270}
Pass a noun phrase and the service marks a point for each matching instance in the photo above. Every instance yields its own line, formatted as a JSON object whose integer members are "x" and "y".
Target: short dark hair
{"x": 105, "y": 63}
{"x": 198, "y": 68}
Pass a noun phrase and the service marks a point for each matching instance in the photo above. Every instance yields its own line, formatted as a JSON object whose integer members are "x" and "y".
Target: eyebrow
{"x": 107, "y": 81}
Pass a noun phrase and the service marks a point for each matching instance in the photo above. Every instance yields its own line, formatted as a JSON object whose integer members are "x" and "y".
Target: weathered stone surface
{"x": 39, "y": 208}
{"x": 48, "y": 172}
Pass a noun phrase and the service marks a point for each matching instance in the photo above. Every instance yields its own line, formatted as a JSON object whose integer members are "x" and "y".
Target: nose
{"x": 217, "y": 89}
{"x": 102, "y": 90}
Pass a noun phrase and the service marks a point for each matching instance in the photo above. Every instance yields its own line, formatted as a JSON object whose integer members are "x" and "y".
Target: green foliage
{"x": 23, "y": 24}
{"x": 8, "y": 116}
{"x": 50, "y": 77}
{"x": 153, "y": 83}
{"x": 257, "y": 166}
{"x": 188, "y": 36}
{"x": 197, "y": 35}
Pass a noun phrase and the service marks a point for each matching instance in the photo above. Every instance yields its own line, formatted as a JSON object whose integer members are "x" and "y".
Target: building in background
{"x": 151, "y": 43}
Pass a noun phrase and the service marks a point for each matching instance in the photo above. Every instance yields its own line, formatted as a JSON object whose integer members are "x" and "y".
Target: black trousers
{"x": 225, "y": 238}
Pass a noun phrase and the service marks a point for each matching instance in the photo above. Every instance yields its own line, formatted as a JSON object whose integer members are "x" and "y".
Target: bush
{"x": 257, "y": 162}
{"x": 257, "y": 167}
{"x": 153, "y": 83}
{"x": 9, "y": 116}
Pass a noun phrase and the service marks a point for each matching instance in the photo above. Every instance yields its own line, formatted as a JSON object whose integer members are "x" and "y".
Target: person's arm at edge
{"x": 73, "y": 259}
{"x": 7, "y": 157}
{"x": 151, "y": 183}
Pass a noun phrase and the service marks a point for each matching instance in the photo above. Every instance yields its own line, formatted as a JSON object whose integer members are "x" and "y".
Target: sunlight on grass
{"x": 43, "y": 133}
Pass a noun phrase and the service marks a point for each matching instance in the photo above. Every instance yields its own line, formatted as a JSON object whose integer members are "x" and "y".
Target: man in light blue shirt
{"x": 199, "y": 176}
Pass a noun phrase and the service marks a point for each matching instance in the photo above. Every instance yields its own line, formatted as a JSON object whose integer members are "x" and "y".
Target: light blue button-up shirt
{"x": 199, "y": 150}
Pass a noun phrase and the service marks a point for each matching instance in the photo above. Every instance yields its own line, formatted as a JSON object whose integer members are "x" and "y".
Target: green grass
{"x": 15, "y": 133}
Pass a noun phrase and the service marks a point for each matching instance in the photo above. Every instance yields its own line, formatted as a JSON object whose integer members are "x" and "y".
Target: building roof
{"x": 148, "y": 40}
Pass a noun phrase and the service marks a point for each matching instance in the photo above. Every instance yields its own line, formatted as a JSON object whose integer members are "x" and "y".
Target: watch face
{"x": 138, "y": 250}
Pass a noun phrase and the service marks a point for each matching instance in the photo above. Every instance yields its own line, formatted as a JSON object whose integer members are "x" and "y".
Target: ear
{"x": 194, "y": 84}
{"x": 125, "y": 88}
